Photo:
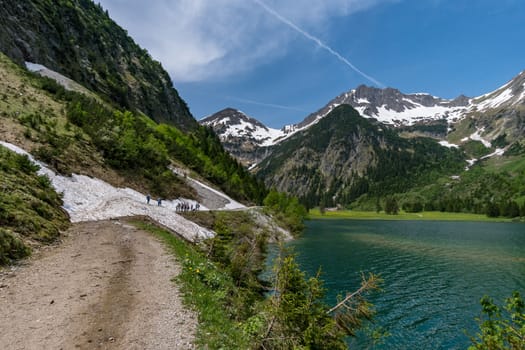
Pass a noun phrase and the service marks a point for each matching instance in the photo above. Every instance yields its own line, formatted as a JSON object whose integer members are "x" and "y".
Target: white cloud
{"x": 207, "y": 39}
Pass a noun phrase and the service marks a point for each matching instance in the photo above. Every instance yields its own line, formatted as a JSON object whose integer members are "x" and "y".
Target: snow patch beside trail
{"x": 230, "y": 204}
{"x": 91, "y": 199}
{"x": 497, "y": 152}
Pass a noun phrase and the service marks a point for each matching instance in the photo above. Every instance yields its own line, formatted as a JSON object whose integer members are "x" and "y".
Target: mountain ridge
{"x": 344, "y": 156}
{"x": 418, "y": 113}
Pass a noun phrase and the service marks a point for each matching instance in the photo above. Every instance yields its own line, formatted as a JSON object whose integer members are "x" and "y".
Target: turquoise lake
{"x": 434, "y": 273}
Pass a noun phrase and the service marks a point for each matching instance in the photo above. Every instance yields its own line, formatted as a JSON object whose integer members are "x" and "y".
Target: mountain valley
{"x": 126, "y": 223}
{"x": 329, "y": 159}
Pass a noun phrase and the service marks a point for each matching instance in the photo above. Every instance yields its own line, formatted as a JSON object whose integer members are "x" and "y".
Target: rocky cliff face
{"x": 78, "y": 39}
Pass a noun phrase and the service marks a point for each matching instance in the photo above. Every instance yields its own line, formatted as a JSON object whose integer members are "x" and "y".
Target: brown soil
{"x": 107, "y": 286}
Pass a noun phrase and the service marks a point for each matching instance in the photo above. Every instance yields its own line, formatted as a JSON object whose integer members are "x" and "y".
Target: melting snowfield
{"x": 91, "y": 199}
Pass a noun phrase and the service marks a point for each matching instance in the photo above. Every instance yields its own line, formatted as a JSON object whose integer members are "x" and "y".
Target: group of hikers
{"x": 183, "y": 207}
{"x": 180, "y": 207}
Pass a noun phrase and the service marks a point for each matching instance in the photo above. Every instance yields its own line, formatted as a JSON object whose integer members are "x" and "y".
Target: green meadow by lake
{"x": 434, "y": 273}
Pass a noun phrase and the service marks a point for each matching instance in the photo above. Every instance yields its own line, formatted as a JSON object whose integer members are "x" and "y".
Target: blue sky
{"x": 279, "y": 60}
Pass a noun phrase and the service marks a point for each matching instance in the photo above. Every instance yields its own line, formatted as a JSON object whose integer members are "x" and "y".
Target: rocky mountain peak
{"x": 231, "y": 116}
{"x": 244, "y": 137}
{"x": 509, "y": 95}
{"x": 393, "y": 107}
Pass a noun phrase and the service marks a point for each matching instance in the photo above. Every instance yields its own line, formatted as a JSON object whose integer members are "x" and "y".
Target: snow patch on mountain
{"x": 67, "y": 83}
{"x": 266, "y": 136}
{"x": 411, "y": 115}
{"x": 448, "y": 144}
{"x": 476, "y": 136}
{"x": 496, "y": 100}
{"x": 510, "y": 94}
{"x": 232, "y": 123}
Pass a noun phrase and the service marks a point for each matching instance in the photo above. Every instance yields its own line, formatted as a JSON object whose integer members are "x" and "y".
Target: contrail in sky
{"x": 317, "y": 41}
{"x": 272, "y": 105}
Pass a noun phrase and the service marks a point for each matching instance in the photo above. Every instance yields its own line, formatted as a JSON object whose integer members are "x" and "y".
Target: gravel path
{"x": 107, "y": 286}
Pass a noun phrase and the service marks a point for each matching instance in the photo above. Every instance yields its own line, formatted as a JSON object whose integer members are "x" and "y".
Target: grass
{"x": 513, "y": 164}
{"x": 205, "y": 288}
{"x": 30, "y": 209}
{"x": 426, "y": 215}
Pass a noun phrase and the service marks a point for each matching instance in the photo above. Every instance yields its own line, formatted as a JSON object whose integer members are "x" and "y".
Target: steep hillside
{"x": 30, "y": 209}
{"x": 498, "y": 117}
{"x": 78, "y": 39}
{"x": 344, "y": 156}
{"x": 75, "y": 133}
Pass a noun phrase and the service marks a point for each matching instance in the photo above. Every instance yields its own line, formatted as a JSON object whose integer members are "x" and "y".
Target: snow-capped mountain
{"x": 511, "y": 94}
{"x": 242, "y": 134}
{"x": 244, "y": 137}
{"x": 232, "y": 123}
{"x": 392, "y": 107}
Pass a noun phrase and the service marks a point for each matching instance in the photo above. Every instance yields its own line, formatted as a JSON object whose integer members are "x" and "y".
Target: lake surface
{"x": 434, "y": 273}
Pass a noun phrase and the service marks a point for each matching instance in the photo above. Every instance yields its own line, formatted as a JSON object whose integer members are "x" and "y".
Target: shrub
{"x": 501, "y": 328}
{"x": 11, "y": 247}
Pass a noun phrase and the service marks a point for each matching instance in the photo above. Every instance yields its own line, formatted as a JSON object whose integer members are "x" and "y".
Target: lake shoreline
{"x": 403, "y": 216}
{"x": 434, "y": 274}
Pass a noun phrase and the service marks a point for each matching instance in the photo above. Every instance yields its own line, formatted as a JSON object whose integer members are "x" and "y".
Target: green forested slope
{"x": 345, "y": 156}
{"x": 78, "y": 39}
{"x": 73, "y": 132}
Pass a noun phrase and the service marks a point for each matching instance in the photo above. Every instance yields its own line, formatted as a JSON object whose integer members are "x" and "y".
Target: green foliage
{"x": 133, "y": 143}
{"x": 241, "y": 251}
{"x": 434, "y": 128}
{"x": 296, "y": 316}
{"x": 11, "y": 247}
{"x": 29, "y": 206}
{"x": 483, "y": 189}
{"x": 501, "y": 328}
{"x": 78, "y": 39}
{"x": 475, "y": 149}
{"x": 220, "y": 279}
{"x": 413, "y": 204}
{"x": 391, "y": 206}
{"x": 286, "y": 210}
{"x": 385, "y": 164}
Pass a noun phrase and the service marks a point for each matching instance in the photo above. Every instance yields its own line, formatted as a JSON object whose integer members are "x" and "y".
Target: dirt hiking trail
{"x": 106, "y": 286}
